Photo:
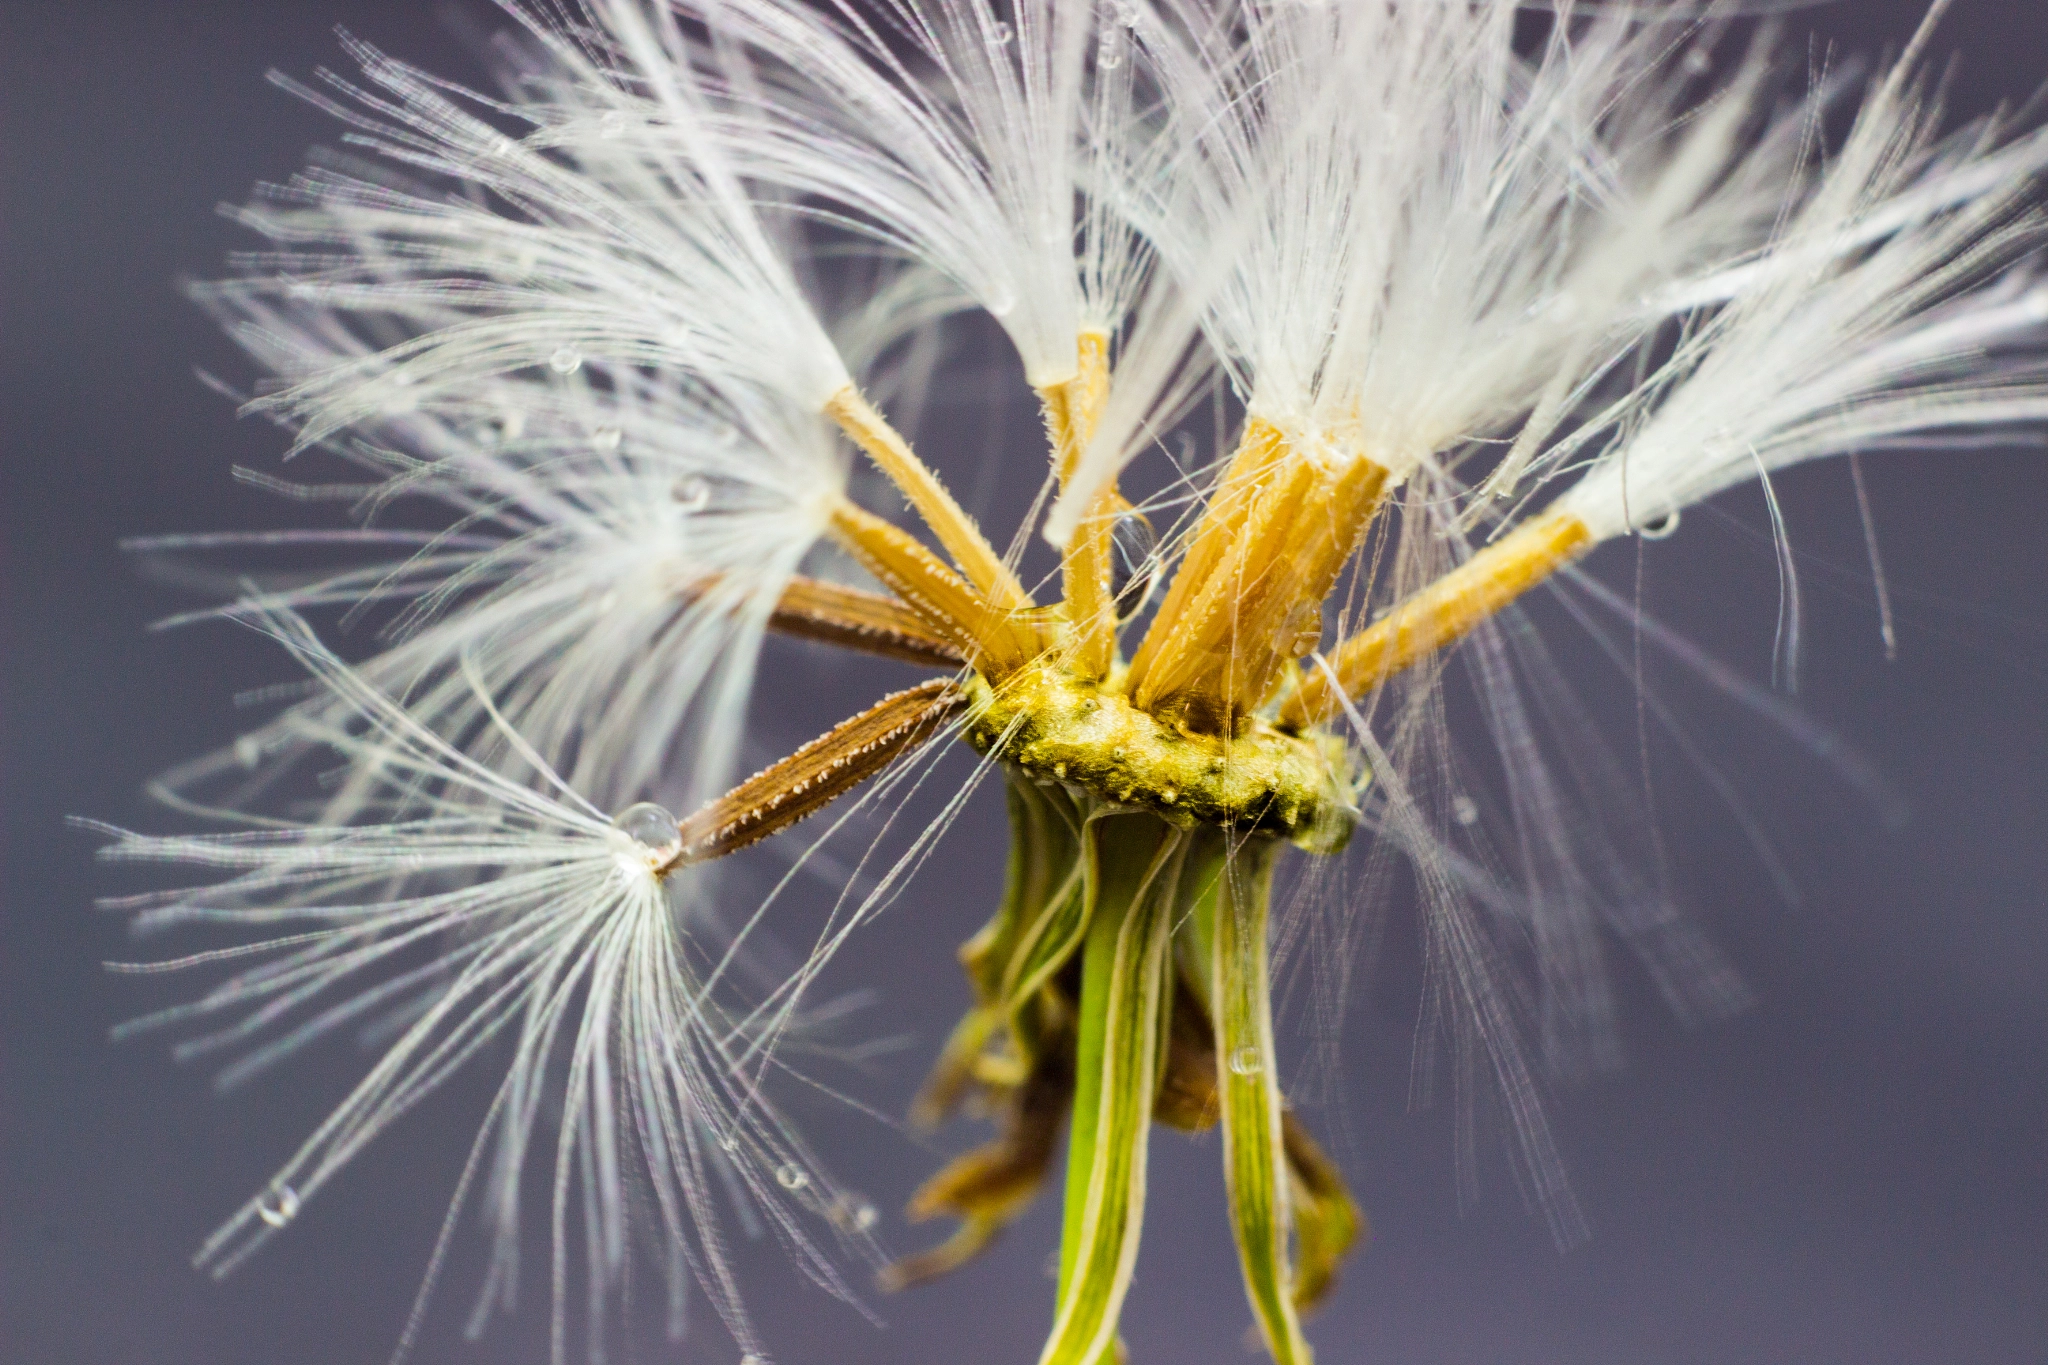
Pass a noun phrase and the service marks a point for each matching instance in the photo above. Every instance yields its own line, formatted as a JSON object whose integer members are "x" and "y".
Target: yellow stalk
{"x": 954, "y": 528}
{"x": 1209, "y": 629}
{"x": 1260, "y": 449}
{"x": 1441, "y": 613}
{"x": 996, "y": 642}
{"x": 1071, "y": 411}
{"x": 1281, "y": 619}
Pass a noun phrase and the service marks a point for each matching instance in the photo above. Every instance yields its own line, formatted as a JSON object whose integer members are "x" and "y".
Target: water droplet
{"x": 566, "y": 360}
{"x": 613, "y": 124}
{"x": 1464, "y": 810}
{"x": 513, "y": 425}
{"x": 1301, "y": 630}
{"x": 729, "y": 1144}
{"x": 646, "y": 824}
{"x": 279, "y": 1207}
{"x": 753, "y": 1358}
{"x": 692, "y": 493}
{"x": 1133, "y": 563}
{"x": 248, "y": 751}
{"x": 1109, "y": 56}
{"x": 607, "y": 438}
{"x": 502, "y": 145}
{"x": 791, "y": 1176}
{"x": 854, "y": 1212}
{"x": 1001, "y": 33}
{"x": 1663, "y": 528}
{"x": 1245, "y": 1062}
{"x": 1698, "y": 62}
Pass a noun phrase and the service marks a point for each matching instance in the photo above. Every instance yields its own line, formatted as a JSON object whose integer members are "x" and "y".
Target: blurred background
{"x": 1855, "y": 1169}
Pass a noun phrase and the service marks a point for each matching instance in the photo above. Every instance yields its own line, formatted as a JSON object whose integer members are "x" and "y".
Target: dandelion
{"x": 1471, "y": 302}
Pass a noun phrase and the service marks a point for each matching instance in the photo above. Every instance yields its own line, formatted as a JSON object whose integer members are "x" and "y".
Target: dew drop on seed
{"x": 248, "y": 751}
{"x": 1697, "y": 62}
{"x": 1465, "y": 810}
{"x": 692, "y": 493}
{"x": 1109, "y": 56}
{"x": 729, "y": 1144}
{"x": 1000, "y": 34}
{"x": 646, "y": 824}
{"x": 607, "y": 438}
{"x": 566, "y": 360}
{"x": 1245, "y": 1062}
{"x": 1133, "y": 563}
{"x": 279, "y": 1207}
{"x": 791, "y": 1176}
{"x": 1663, "y": 528}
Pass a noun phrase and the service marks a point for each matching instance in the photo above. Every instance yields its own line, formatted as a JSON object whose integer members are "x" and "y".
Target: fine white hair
{"x": 478, "y": 914}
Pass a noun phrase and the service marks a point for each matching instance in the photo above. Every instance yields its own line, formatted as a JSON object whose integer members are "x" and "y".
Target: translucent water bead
{"x": 1133, "y": 563}
{"x": 1245, "y": 1061}
{"x": 278, "y": 1207}
{"x": 854, "y": 1213}
{"x": 647, "y": 824}
{"x": 1663, "y": 528}
{"x": 692, "y": 493}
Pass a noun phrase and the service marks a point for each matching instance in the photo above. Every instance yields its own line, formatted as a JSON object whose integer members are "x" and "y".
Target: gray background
{"x": 1855, "y": 1170}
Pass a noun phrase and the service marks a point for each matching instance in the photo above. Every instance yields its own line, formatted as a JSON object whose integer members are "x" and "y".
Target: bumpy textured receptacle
{"x": 1267, "y": 781}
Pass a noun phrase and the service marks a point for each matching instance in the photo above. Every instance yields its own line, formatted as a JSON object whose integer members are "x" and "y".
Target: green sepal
{"x": 1040, "y": 918}
{"x": 1327, "y": 1223}
{"x": 1132, "y": 876}
{"x": 1255, "y": 1166}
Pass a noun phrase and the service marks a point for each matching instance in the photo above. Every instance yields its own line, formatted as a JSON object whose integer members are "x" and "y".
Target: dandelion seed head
{"x": 596, "y": 323}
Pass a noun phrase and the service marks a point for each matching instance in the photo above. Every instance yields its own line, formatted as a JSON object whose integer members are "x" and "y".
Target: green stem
{"x": 1132, "y": 870}
{"x": 1254, "y": 1157}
